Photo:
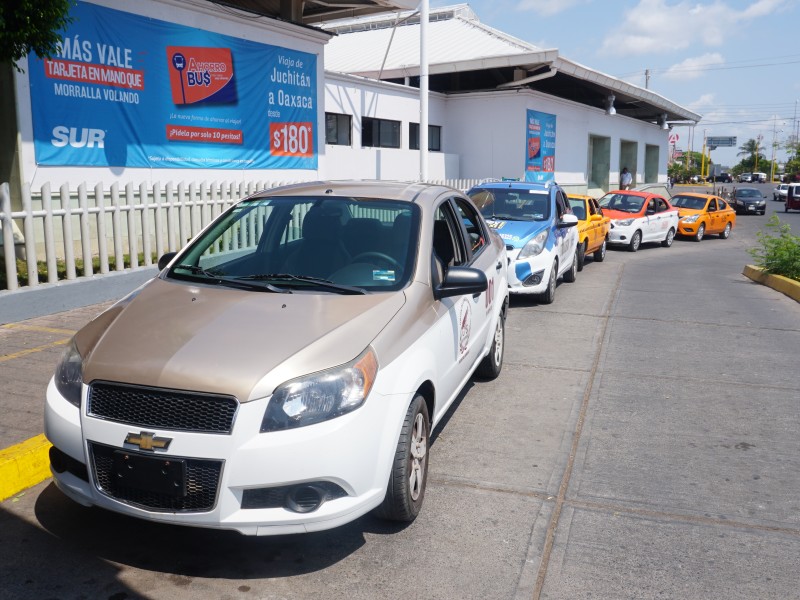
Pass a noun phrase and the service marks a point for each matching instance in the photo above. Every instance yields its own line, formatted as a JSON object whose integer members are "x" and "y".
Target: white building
{"x": 358, "y": 89}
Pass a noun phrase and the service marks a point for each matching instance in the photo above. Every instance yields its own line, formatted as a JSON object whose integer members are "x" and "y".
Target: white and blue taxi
{"x": 538, "y": 228}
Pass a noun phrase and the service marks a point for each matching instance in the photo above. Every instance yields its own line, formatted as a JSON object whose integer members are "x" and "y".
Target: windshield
{"x": 748, "y": 193}
{"x": 578, "y": 207}
{"x": 332, "y": 245}
{"x": 512, "y": 204}
{"x": 622, "y": 202}
{"x": 689, "y": 202}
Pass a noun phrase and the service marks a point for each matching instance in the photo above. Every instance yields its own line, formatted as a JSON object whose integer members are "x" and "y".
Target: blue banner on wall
{"x": 540, "y": 151}
{"x": 130, "y": 91}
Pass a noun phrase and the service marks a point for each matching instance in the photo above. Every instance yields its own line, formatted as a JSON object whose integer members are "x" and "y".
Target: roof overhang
{"x": 309, "y": 12}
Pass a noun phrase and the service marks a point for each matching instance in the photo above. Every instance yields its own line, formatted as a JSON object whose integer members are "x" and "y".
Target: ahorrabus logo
{"x": 201, "y": 75}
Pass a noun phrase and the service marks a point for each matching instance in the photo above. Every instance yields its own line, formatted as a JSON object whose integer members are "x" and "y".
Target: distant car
{"x": 639, "y": 217}
{"x": 779, "y": 193}
{"x": 593, "y": 228}
{"x": 746, "y": 178}
{"x": 759, "y": 178}
{"x": 534, "y": 221}
{"x": 282, "y": 373}
{"x": 748, "y": 200}
{"x": 723, "y": 178}
{"x": 703, "y": 214}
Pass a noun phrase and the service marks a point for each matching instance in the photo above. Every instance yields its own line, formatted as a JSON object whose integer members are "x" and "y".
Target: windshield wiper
{"x": 509, "y": 218}
{"x": 316, "y": 281}
{"x": 218, "y": 279}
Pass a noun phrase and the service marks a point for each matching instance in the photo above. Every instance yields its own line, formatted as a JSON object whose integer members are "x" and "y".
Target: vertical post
{"x": 86, "y": 241}
{"x": 423, "y": 90}
{"x": 66, "y": 227}
{"x": 8, "y": 238}
{"x": 30, "y": 238}
{"x": 102, "y": 239}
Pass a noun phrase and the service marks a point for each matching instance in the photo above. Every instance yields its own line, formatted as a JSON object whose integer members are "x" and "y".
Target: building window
{"x": 337, "y": 129}
{"x": 434, "y": 137}
{"x": 380, "y": 133}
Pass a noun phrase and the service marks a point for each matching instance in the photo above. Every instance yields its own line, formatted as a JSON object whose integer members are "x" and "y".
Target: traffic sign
{"x": 721, "y": 141}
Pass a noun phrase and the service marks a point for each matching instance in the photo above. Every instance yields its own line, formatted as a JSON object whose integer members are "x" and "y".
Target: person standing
{"x": 625, "y": 179}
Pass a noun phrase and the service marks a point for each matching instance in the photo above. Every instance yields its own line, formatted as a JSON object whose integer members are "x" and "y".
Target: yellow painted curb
{"x": 786, "y": 286}
{"x": 24, "y": 465}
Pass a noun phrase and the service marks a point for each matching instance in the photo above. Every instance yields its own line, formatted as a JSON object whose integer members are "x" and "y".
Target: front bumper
{"x": 352, "y": 453}
{"x": 621, "y": 235}
{"x": 529, "y": 275}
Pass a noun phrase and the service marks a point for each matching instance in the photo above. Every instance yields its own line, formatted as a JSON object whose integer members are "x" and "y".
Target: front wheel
{"x": 406, "y": 488}
{"x": 547, "y": 296}
{"x": 726, "y": 232}
{"x": 492, "y": 363}
{"x": 701, "y": 231}
{"x": 635, "y": 242}
{"x": 600, "y": 255}
{"x": 667, "y": 241}
{"x": 581, "y": 254}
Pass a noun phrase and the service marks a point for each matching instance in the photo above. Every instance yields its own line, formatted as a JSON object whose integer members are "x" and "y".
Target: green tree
{"x": 32, "y": 26}
{"x": 751, "y": 150}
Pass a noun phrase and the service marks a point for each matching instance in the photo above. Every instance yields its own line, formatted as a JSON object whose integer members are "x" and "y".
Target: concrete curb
{"x": 24, "y": 465}
{"x": 782, "y": 284}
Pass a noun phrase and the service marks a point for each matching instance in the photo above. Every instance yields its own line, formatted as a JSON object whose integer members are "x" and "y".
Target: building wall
{"x": 487, "y": 130}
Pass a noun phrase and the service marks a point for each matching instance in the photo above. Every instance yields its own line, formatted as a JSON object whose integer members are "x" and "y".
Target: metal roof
{"x": 308, "y": 12}
{"x": 466, "y": 55}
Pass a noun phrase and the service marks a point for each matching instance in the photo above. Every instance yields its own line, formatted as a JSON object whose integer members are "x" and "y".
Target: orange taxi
{"x": 702, "y": 214}
{"x": 592, "y": 228}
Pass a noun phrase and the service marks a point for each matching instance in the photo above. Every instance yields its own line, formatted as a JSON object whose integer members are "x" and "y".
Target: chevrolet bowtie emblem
{"x": 147, "y": 440}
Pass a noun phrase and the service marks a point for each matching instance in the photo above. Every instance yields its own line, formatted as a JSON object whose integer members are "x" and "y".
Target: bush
{"x": 61, "y": 269}
{"x": 779, "y": 250}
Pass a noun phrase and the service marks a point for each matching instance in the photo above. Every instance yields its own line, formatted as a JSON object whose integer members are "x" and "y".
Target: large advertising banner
{"x": 130, "y": 91}
{"x": 540, "y": 151}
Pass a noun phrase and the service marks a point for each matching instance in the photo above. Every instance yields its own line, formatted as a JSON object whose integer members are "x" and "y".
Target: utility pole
{"x": 647, "y": 82}
{"x": 758, "y": 143}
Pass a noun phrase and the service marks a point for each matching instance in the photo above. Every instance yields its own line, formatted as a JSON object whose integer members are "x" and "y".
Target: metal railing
{"x": 112, "y": 223}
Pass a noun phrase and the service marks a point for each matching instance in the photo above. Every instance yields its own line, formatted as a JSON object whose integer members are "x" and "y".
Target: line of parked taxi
{"x": 549, "y": 234}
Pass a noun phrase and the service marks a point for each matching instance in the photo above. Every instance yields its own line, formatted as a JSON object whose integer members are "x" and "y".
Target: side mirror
{"x": 568, "y": 220}
{"x": 595, "y": 218}
{"x": 460, "y": 281}
{"x": 650, "y": 211}
{"x": 165, "y": 260}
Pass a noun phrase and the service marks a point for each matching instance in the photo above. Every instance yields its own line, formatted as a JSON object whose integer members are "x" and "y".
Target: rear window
{"x": 512, "y": 204}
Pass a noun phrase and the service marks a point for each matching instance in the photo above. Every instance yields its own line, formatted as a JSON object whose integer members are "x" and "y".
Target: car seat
{"x": 321, "y": 251}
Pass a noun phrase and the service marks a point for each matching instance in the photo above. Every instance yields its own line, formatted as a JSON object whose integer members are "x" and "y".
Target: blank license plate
{"x": 151, "y": 474}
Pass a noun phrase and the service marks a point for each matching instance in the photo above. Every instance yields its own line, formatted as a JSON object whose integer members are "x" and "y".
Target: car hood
{"x": 686, "y": 212}
{"x": 615, "y": 215}
{"x": 221, "y": 340}
{"x": 517, "y": 233}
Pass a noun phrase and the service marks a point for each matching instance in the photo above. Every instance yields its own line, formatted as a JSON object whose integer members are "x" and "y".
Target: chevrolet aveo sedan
{"x": 639, "y": 217}
{"x": 283, "y": 372}
{"x": 703, "y": 214}
{"x": 535, "y": 222}
{"x": 593, "y": 228}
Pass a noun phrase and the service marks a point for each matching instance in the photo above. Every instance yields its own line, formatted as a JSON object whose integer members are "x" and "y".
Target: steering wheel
{"x": 379, "y": 255}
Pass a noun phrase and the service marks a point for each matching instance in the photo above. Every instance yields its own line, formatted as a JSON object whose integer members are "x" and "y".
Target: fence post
{"x": 171, "y": 227}
{"x": 159, "y": 219}
{"x": 49, "y": 236}
{"x": 12, "y": 282}
{"x": 66, "y": 227}
{"x": 30, "y": 242}
{"x": 143, "y": 198}
{"x": 119, "y": 259}
{"x": 102, "y": 242}
{"x": 86, "y": 242}
{"x": 130, "y": 204}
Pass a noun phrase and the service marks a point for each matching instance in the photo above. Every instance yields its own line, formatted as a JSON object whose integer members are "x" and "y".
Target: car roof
{"x": 390, "y": 190}
{"x": 634, "y": 193}
{"x": 515, "y": 185}
{"x": 579, "y": 196}
{"x": 697, "y": 195}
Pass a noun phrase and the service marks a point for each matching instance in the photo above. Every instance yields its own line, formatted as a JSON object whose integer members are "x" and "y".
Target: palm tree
{"x": 751, "y": 149}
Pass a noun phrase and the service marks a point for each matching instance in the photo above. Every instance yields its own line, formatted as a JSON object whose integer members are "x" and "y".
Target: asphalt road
{"x": 641, "y": 442}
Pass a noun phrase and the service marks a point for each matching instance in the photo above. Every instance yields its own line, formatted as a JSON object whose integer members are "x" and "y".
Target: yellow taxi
{"x": 702, "y": 214}
{"x": 593, "y": 228}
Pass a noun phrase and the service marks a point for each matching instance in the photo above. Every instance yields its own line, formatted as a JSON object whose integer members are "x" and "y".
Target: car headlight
{"x": 624, "y": 222}
{"x": 535, "y": 246}
{"x": 321, "y": 396}
{"x": 690, "y": 219}
{"x": 69, "y": 374}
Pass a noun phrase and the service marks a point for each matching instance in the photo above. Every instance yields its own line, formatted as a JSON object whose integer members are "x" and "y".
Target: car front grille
{"x": 161, "y": 408}
{"x": 202, "y": 481}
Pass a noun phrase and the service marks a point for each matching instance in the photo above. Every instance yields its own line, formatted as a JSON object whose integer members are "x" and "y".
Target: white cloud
{"x": 659, "y": 27}
{"x": 546, "y": 8}
{"x": 692, "y": 68}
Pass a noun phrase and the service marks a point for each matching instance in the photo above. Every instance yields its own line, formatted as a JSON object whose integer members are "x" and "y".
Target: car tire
{"x": 762, "y": 213}
{"x": 492, "y": 363}
{"x": 572, "y": 273}
{"x": 406, "y": 489}
{"x": 581, "y": 252}
{"x": 636, "y": 241}
{"x": 667, "y": 241}
{"x": 547, "y": 296}
{"x": 701, "y": 231}
{"x": 600, "y": 255}
{"x": 726, "y": 232}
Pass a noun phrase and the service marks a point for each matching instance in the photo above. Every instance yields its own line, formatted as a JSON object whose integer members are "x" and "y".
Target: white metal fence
{"x": 77, "y": 225}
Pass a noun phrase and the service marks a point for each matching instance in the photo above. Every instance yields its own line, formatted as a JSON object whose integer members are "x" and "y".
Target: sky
{"x": 736, "y": 62}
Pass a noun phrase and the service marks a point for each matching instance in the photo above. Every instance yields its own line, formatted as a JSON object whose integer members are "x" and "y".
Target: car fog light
{"x": 534, "y": 278}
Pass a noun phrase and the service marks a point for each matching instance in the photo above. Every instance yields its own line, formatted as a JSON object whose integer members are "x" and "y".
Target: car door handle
{"x": 499, "y": 265}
